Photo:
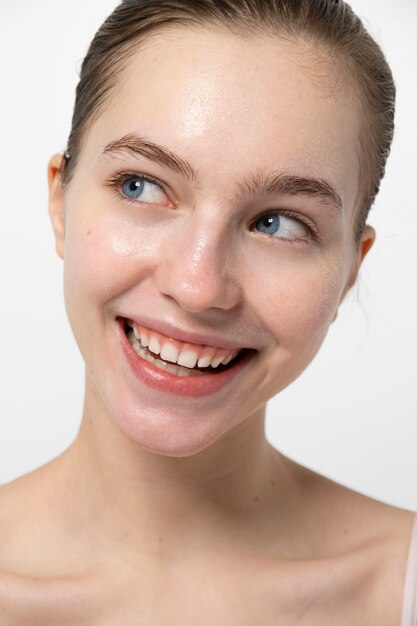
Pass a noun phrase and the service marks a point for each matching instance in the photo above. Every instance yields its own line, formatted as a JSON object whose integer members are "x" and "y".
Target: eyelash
{"x": 312, "y": 232}
{"x": 116, "y": 181}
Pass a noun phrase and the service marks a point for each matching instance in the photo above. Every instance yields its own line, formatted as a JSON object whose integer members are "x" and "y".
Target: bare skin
{"x": 263, "y": 562}
{"x": 170, "y": 510}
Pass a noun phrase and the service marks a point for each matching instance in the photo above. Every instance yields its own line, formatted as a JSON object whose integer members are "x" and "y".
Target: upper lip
{"x": 165, "y": 328}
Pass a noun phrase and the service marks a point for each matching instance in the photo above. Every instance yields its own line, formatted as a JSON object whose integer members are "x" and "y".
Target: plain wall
{"x": 351, "y": 415}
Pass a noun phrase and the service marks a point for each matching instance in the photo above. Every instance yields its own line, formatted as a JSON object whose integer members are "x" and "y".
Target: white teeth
{"x": 216, "y": 362}
{"x": 169, "y": 367}
{"x": 188, "y": 358}
{"x": 169, "y": 352}
{"x": 204, "y": 361}
{"x": 144, "y": 339}
{"x": 229, "y": 358}
{"x": 154, "y": 345}
{"x": 174, "y": 361}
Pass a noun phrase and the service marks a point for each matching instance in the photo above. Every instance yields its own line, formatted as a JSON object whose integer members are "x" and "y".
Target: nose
{"x": 198, "y": 271}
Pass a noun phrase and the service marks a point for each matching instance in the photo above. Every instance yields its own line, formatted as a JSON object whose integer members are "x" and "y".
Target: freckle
{"x": 88, "y": 232}
{"x": 256, "y": 499}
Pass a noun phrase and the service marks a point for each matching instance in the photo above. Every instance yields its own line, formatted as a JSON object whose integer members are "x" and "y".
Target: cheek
{"x": 103, "y": 259}
{"x": 299, "y": 301}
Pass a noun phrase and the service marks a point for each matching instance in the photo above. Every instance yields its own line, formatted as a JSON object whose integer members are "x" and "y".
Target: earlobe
{"x": 56, "y": 202}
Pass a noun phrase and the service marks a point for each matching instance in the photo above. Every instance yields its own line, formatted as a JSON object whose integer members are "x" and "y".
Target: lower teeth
{"x": 172, "y": 368}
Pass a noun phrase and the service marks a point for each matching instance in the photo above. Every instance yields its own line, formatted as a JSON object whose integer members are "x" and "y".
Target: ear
{"x": 56, "y": 202}
{"x": 366, "y": 242}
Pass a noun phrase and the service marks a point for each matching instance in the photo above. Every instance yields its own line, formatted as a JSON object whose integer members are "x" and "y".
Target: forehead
{"x": 241, "y": 104}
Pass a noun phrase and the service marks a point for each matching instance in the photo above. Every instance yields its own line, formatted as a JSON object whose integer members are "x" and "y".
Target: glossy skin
{"x": 190, "y": 259}
{"x": 161, "y": 491}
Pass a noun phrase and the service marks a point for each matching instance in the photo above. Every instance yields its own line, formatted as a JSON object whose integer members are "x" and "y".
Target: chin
{"x": 171, "y": 433}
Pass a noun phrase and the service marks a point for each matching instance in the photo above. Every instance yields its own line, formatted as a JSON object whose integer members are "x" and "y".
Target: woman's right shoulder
{"x": 15, "y": 587}
{"x": 35, "y": 585}
{"x": 30, "y": 600}
{"x": 17, "y": 532}
{"x": 15, "y": 512}
{"x": 20, "y": 504}
{"x": 30, "y": 537}
{"x": 33, "y": 521}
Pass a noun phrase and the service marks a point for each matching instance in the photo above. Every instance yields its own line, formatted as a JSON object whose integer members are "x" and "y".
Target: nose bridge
{"x": 198, "y": 269}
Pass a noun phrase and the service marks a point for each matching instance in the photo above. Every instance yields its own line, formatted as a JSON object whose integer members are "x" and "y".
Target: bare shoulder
{"x": 369, "y": 539}
{"x": 33, "y": 601}
{"x": 25, "y": 514}
{"x": 40, "y": 583}
{"x": 347, "y": 565}
{"x": 40, "y": 536}
{"x": 341, "y": 511}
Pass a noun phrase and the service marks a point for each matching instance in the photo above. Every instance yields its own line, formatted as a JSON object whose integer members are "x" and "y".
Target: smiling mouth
{"x": 178, "y": 358}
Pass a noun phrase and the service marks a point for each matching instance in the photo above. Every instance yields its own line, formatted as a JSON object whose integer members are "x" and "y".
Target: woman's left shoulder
{"x": 391, "y": 551}
{"x": 350, "y": 519}
{"x": 374, "y": 573}
{"x": 381, "y": 539}
{"x": 367, "y": 544}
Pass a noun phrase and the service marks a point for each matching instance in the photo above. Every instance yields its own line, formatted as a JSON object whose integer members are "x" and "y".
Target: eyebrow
{"x": 258, "y": 184}
{"x": 132, "y": 144}
{"x": 290, "y": 185}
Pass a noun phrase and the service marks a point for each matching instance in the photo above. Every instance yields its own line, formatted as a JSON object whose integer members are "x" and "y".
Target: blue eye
{"x": 281, "y": 226}
{"x": 141, "y": 189}
{"x": 133, "y": 187}
{"x": 269, "y": 224}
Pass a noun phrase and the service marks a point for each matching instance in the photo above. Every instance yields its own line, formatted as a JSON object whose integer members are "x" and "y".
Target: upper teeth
{"x": 186, "y": 357}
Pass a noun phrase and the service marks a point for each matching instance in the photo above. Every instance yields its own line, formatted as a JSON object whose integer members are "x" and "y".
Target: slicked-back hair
{"x": 328, "y": 26}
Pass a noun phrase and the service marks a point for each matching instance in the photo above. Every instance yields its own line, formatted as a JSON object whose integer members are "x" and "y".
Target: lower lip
{"x": 192, "y": 386}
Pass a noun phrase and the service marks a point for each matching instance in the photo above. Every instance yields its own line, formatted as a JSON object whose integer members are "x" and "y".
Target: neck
{"x": 134, "y": 495}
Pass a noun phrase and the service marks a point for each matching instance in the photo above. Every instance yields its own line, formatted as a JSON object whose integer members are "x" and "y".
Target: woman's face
{"x": 239, "y": 236}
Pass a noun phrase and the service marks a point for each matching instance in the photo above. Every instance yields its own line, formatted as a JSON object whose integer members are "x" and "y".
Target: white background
{"x": 352, "y": 414}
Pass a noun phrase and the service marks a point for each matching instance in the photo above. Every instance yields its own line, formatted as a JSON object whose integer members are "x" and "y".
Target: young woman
{"x": 211, "y": 212}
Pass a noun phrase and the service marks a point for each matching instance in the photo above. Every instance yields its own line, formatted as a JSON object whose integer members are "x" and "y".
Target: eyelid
{"x": 117, "y": 180}
{"x": 312, "y": 230}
